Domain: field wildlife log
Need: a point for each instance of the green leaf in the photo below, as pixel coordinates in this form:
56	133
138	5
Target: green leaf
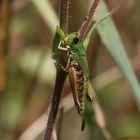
60	33
87	36
115	47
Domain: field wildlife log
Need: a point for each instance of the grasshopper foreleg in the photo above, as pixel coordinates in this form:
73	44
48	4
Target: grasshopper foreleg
68	54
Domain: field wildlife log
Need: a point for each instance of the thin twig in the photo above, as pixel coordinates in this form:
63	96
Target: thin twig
64	15
88	18
60	77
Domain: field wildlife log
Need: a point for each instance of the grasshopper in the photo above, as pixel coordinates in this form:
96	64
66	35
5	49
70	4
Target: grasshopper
77	68
76	63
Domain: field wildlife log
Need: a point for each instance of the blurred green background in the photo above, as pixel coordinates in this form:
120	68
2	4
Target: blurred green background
27	72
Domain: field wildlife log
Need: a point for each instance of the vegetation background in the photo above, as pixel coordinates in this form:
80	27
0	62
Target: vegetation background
27	72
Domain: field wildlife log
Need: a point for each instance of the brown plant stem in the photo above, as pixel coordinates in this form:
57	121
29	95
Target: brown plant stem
88	18
64	10
60	77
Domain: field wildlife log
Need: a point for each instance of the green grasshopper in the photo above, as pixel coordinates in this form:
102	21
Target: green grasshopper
77	68
76	64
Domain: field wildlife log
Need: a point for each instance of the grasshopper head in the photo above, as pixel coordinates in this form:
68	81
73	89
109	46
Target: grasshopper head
72	39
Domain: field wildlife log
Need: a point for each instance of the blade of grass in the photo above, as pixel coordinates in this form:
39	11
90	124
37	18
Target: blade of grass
115	47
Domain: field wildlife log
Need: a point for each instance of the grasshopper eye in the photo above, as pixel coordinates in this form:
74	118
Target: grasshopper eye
75	40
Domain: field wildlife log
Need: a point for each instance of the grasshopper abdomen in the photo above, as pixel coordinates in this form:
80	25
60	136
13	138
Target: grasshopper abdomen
79	84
